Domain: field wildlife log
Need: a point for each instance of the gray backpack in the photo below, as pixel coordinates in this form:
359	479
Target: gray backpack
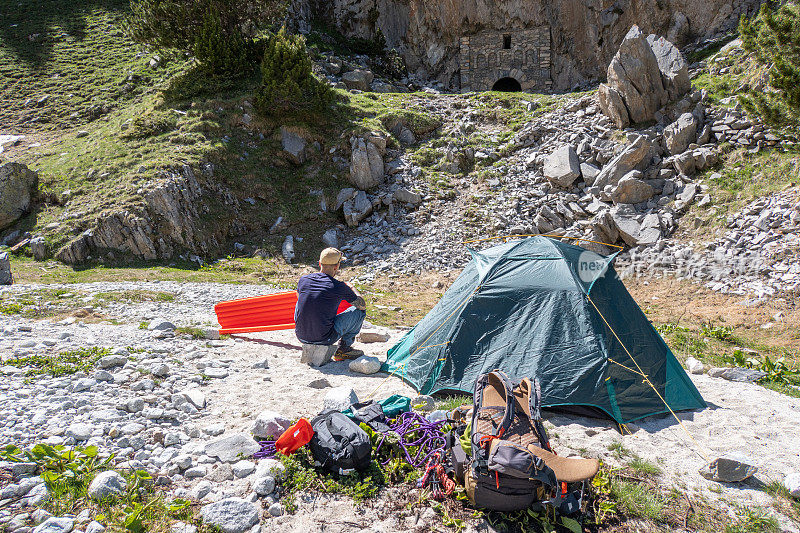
338	444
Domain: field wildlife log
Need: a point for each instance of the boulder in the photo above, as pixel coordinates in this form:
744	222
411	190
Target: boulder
232	515
681	133
408	197
79	431
358	79
589	173
339	398
562	167
645	74
366	164
633	155
331	238
357	209
270	424
18	185
264	486
5	269
287	249
228	449
744	375
673	67
730	468
75	251
160	324
634	74
38	248
365	364
195	397
106	484
630	230
631	189
294	145
344	195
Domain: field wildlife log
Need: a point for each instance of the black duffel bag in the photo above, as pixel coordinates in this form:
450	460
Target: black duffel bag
339	445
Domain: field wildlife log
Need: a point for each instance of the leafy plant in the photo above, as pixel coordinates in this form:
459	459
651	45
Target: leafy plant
10	309
721	333
777	371
58	463
65	363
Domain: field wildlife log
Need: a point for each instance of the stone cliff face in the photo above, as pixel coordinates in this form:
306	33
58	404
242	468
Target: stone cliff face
585	34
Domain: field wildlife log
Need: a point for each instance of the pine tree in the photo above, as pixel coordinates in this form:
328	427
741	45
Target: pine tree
287	83
773	37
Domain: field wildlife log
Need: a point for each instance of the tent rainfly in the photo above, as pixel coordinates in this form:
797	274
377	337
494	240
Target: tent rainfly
543	308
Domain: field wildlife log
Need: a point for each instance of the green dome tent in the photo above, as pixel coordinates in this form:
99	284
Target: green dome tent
542	308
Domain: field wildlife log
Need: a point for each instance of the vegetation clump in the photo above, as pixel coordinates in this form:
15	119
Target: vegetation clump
63	364
221	34
287	84
773	37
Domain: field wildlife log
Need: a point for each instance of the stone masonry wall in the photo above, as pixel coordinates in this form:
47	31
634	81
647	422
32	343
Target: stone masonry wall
484	59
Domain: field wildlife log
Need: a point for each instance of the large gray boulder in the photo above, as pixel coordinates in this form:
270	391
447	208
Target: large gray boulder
358	79
631	189
630	158
233	515
366	164
562	167
673	67
5	269
18	186
357	209
681	133
645	74
633	232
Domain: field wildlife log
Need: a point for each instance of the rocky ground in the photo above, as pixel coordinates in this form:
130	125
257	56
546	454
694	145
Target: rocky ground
185	409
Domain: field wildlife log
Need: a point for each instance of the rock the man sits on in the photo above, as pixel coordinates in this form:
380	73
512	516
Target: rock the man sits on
318	298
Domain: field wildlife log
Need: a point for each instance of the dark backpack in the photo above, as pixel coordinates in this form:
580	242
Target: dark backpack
339	445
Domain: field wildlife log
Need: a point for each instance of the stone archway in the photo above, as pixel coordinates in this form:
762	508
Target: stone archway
507	84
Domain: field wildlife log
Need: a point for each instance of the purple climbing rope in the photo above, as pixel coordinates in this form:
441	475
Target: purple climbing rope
267	449
417	431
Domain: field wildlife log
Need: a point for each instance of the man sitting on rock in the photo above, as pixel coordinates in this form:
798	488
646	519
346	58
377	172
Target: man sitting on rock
318	298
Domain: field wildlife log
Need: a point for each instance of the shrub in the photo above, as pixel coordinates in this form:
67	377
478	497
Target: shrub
287	84
220	34
773	37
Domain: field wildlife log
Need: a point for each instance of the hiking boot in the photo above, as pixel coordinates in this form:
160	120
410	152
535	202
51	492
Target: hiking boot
347	352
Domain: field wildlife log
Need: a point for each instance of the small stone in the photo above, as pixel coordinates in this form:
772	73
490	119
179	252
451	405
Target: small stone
232	515
276	509
55	525
243	468
371	335
228	449
195	471
406	196
214	429
94	527
160	324
40	515
220	473
423	403
264	486
694	366
182	527
339	398
270	424
213	372
270	467
730	468
744	375
365	364
211	334
106	484
195	397
319	383
79	432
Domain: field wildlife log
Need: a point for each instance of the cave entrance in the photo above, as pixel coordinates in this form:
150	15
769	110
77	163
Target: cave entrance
508	85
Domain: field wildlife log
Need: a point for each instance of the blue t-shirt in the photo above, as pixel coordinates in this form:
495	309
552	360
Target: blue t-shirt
318	299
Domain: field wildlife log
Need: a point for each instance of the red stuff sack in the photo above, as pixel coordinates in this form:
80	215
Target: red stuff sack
294	438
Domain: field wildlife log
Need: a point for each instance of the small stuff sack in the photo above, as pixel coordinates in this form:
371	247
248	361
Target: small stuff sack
298	435
338	444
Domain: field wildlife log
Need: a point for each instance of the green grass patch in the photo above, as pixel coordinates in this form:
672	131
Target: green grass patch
753	520
63	364
195	333
641	466
450	402
10	308
135	296
638	500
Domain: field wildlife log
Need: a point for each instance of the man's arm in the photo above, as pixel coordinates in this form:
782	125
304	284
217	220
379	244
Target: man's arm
359	302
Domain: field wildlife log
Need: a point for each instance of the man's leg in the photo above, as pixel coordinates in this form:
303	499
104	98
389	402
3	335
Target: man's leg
348	324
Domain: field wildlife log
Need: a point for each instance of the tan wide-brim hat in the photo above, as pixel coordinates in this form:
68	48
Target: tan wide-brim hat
330	256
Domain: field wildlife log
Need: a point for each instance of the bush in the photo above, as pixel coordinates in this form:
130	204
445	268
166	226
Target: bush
773	37
220	34
287	84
